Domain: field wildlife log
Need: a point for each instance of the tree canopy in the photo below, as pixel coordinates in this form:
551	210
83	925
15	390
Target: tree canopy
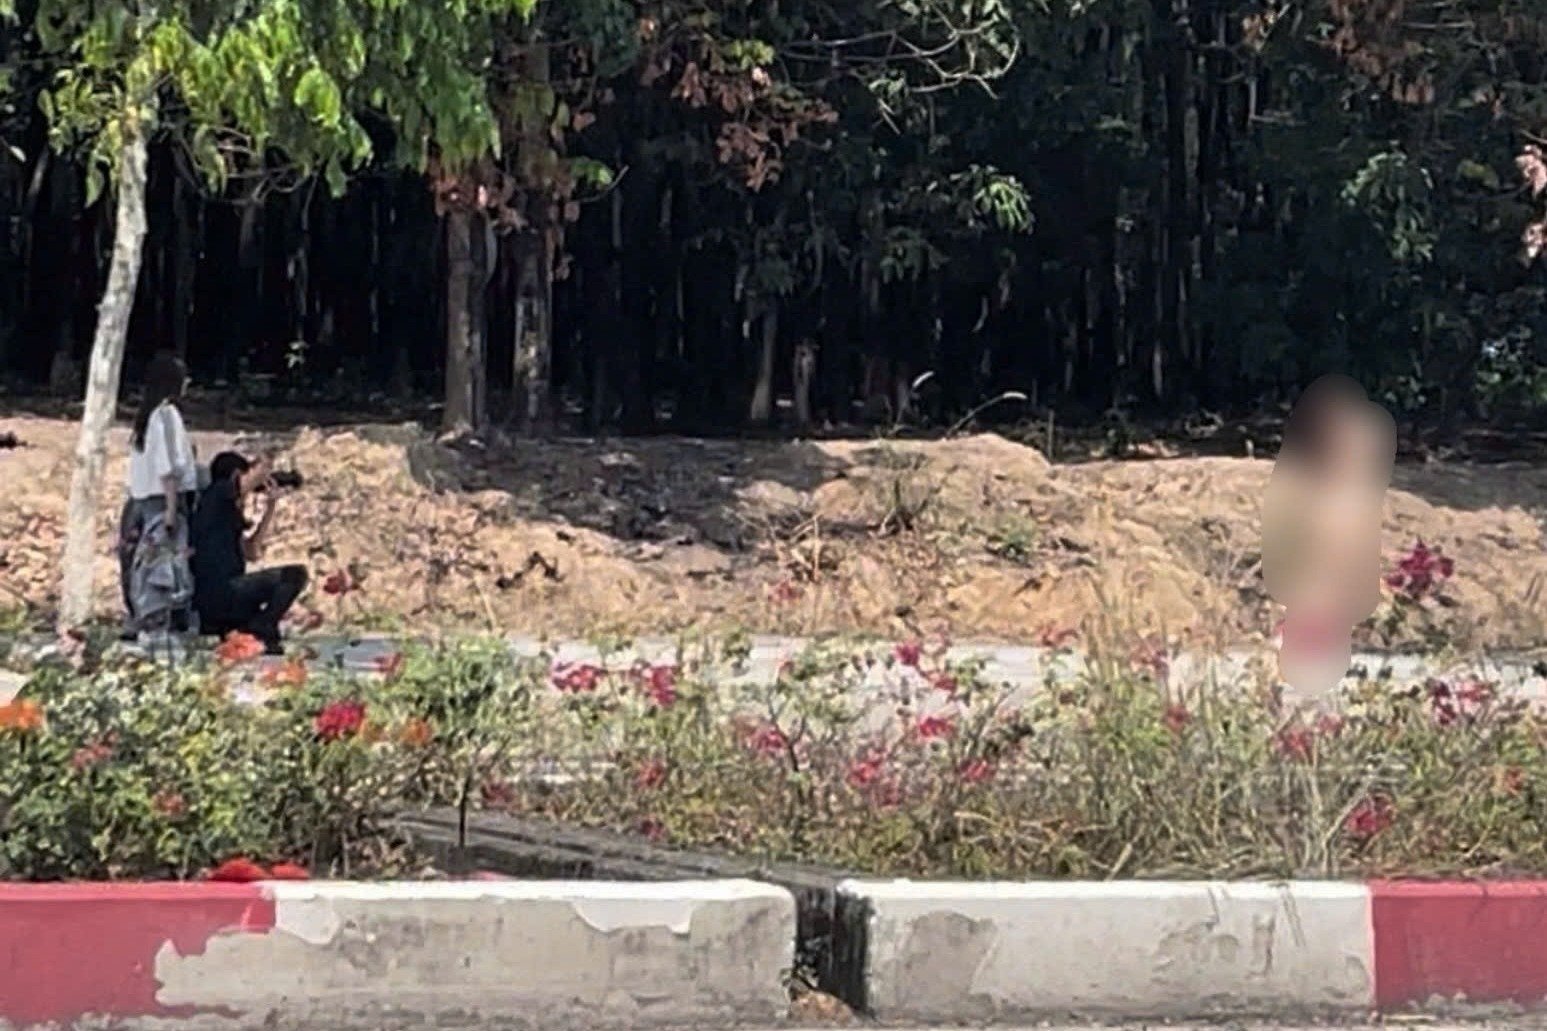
698	207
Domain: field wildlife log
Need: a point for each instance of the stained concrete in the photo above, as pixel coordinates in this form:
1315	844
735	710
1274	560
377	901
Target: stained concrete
938	951
497	954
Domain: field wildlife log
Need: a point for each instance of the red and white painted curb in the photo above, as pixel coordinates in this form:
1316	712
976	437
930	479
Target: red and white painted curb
367	956
998	951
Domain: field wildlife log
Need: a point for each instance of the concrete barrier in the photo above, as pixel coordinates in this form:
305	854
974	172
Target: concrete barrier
343	956
1132	949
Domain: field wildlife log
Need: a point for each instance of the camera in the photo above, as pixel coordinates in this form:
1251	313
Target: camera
286	479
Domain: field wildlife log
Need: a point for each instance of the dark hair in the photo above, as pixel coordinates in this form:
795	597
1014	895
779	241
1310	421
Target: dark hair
227	465
164	379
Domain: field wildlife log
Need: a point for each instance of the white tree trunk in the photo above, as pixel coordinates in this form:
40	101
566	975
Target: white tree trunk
107	357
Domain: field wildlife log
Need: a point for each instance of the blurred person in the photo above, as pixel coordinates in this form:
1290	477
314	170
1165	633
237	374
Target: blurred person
1321	529
163	482
226	596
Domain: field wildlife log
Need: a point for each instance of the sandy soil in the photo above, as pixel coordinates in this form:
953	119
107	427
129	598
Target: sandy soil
978	537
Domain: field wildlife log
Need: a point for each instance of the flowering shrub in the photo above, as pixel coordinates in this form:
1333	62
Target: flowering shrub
894	761
900	763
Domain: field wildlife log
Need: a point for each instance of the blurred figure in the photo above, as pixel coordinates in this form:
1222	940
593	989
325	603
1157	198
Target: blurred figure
163	481
1321	529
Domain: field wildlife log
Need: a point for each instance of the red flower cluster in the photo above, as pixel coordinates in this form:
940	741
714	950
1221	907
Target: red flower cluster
909	653
1420	572
241	870
1450	704
1298	743
339	719
659	682
768	740
930	728
577	678
238	647
1370	817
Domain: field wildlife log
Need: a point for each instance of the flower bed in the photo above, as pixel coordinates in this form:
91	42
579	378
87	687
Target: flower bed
122	769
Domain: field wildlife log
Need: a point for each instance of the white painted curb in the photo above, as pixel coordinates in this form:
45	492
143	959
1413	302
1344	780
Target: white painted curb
361	957
967	952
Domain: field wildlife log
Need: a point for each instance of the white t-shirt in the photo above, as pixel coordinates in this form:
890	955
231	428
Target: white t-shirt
168	451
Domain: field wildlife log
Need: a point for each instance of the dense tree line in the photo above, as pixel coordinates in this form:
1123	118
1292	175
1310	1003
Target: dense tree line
689	209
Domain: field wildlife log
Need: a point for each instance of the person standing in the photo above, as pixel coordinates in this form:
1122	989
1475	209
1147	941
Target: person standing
226	596
163	472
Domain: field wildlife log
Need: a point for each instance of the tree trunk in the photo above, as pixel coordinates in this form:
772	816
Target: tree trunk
533	352
462	413
761	410
107	355
186	237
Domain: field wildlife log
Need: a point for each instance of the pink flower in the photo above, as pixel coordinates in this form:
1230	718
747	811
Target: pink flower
768	740
650	775
930	728
573	678
1295	743
865	772
660	683
976	771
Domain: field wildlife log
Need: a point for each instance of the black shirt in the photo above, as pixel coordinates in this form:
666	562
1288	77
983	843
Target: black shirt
216	538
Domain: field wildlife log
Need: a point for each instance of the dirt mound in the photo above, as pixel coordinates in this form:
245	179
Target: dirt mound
979	537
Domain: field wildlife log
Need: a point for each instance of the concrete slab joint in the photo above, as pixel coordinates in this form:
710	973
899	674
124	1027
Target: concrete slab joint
355	955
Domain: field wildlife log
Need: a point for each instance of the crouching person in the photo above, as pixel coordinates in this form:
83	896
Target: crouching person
226	596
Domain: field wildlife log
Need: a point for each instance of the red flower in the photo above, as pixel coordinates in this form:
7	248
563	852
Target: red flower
976	771
909	653
305	620
288	872
1370	817
339	719
784	592
660	683
169	804
238	647
931	727
239	870
1475	692
650	775
1328	725
338	583
866	771
1420	572
943	682
651	828
769	740
1295	743
574	678
1176	718
94	754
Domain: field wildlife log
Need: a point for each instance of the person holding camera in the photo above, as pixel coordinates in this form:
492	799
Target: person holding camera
226	596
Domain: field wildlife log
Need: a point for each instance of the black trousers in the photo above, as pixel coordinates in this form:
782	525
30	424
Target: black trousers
253	604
